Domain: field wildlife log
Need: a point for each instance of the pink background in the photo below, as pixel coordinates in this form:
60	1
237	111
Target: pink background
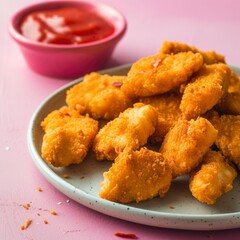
207	24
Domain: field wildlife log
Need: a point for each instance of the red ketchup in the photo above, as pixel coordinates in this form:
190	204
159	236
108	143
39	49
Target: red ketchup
66	26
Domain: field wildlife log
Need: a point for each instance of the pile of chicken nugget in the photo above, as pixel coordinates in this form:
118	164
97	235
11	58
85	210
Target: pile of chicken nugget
182	101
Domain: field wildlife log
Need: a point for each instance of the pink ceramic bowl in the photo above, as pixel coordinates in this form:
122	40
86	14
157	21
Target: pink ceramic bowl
68	61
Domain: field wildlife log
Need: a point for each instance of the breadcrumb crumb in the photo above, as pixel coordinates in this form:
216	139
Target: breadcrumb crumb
26	206
27	224
40	189
45	221
53	212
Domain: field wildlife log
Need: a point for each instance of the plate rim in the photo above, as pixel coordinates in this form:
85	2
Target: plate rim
148	217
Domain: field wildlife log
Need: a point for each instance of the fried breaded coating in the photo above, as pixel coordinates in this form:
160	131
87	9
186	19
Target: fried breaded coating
212	179
136	176
205	90
167	106
99	95
160	73
131	129
228	138
59	118
209	57
234	83
230	104
186	143
68	137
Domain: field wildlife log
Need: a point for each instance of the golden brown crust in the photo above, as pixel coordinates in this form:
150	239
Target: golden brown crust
230	104
167	106
136	176
186	143
212	179
177	93
67	137
59	118
228	138
131	129
99	95
205	90
160	73
209	57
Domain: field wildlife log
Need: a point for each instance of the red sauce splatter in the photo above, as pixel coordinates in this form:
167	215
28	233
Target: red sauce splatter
126	235
66	26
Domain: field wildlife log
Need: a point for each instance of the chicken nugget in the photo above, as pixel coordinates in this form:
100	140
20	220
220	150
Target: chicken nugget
212	179
230	104
136	176
160	73
209	57
67	139
99	95
131	129
234	83
186	143
205	90
167	106
228	138
59	118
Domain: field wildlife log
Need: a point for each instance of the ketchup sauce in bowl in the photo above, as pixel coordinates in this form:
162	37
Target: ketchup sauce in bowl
67	39
71	25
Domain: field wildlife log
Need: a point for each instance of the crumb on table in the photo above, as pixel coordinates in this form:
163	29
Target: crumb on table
65	175
27	224
53	212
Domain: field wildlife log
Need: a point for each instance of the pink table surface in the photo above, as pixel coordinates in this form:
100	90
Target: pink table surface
206	24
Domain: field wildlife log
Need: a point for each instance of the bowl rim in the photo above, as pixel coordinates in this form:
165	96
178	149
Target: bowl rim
18	37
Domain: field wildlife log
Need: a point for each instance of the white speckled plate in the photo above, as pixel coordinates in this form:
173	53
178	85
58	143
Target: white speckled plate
177	210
